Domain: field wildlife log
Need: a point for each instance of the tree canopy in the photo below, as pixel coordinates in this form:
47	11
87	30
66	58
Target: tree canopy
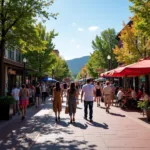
40	61
103	46
135	44
141	9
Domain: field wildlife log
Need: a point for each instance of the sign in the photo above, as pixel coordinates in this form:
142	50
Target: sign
100	70
12	72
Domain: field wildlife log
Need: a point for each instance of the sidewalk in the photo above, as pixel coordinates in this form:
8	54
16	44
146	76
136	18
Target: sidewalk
115	131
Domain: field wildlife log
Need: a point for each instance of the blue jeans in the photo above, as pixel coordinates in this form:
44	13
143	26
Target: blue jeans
90	104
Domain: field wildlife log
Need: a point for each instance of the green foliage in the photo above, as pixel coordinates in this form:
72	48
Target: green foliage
141	9
41	61
144	104
7	100
102	46
17	22
61	69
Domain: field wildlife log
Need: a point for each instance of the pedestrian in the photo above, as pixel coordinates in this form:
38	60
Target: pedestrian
37	95
72	95
65	89
23	100
98	93
15	94
88	91
57	101
43	89
107	91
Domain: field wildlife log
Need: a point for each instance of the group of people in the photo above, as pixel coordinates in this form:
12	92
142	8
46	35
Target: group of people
129	98
89	94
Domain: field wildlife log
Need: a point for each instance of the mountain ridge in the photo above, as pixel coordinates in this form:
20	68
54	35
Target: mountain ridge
76	64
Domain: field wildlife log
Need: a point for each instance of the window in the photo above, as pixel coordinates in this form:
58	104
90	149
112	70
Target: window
18	56
11	54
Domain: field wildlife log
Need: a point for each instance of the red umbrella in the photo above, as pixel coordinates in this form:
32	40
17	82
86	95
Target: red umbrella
139	68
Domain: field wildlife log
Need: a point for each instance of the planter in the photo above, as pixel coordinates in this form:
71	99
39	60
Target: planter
148	114
6	111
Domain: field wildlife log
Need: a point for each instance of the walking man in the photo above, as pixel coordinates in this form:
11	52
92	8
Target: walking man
107	91
88	91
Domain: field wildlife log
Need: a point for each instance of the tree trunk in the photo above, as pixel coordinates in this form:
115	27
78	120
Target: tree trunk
2	71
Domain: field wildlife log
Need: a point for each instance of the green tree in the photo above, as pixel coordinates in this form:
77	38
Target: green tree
17	18
141	9
61	69
103	46
41	61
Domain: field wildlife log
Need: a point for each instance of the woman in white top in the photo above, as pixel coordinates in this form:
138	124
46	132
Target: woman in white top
15	94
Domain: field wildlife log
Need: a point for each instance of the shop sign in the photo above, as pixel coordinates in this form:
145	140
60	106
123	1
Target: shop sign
100	70
12	72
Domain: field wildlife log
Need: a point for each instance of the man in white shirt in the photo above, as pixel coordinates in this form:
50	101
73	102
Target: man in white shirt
88	91
15	94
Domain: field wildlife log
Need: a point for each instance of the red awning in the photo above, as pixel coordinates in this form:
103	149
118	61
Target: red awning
139	68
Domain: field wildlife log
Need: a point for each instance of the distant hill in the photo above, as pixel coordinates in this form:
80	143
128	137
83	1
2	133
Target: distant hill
75	65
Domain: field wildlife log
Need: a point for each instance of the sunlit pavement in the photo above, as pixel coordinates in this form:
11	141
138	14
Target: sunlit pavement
115	131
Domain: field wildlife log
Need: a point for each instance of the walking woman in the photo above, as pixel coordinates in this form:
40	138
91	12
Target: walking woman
37	95
23	100
98	93
72	95
57	101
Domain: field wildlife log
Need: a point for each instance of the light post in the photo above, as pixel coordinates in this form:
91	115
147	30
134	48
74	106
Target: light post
109	59
52	74
24	61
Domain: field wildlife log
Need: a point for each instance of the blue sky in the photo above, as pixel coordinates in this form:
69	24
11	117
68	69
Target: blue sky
79	21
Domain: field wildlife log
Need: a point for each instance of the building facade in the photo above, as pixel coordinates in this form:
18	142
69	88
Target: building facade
13	69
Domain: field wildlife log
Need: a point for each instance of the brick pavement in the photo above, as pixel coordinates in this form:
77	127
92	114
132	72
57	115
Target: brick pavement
115	131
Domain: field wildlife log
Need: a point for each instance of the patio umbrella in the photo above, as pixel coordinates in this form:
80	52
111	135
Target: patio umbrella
139	68
49	79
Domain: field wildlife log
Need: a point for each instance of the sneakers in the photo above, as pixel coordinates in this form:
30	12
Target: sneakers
91	120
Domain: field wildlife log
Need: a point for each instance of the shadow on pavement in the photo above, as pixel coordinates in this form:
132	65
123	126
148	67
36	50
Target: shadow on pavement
64	144
99	125
80	125
117	115
145	120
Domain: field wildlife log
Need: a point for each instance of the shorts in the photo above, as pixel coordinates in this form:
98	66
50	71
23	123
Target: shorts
37	95
23	103
107	99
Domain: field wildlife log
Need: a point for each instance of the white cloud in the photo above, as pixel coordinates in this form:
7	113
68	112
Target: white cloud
78	46
74	24
80	29
73	41
93	28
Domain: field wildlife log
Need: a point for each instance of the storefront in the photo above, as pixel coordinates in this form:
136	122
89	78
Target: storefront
14	72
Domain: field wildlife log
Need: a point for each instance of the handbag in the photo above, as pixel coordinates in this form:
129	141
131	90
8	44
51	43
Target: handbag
66	110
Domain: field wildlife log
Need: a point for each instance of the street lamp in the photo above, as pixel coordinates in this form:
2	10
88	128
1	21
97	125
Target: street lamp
52	74
24	61
109	59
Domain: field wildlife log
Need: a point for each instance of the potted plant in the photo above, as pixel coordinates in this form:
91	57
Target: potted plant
6	107
145	106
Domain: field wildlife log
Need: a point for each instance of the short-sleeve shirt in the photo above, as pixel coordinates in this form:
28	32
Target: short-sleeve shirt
15	93
107	90
88	90
120	95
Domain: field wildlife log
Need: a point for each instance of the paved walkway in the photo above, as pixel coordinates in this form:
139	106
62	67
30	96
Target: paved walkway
115	131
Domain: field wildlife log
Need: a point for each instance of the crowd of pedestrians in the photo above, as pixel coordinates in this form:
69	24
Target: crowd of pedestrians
90	92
